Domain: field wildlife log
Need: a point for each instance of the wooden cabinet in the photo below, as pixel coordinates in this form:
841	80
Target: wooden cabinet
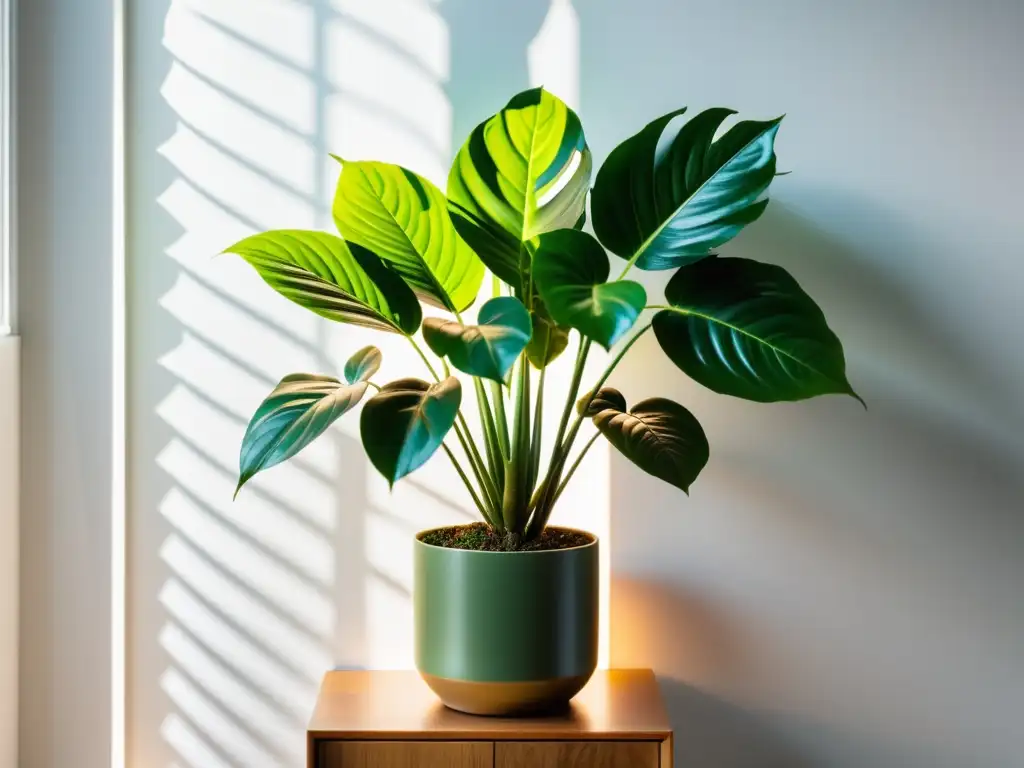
576	754
405	754
392	720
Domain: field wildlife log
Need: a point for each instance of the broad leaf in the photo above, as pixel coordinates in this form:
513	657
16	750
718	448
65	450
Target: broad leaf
593	403
669	194
362	365
322	273
747	329
403	218
299	409
549	339
522	172
406	422
659	436
571	270
488	349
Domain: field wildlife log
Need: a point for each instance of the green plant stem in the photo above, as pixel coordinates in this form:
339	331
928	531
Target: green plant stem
570	400
504	444
465	440
469	486
538	421
494	458
516	475
548	492
573	467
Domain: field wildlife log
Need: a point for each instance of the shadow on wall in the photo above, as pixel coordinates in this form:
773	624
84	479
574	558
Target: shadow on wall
236	609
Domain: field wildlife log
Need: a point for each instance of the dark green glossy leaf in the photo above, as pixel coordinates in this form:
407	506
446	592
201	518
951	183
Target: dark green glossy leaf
571	270
406	422
747	329
669	194
488	349
322	273
299	409
606	397
522	172
549	339
659	436
403	218
362	365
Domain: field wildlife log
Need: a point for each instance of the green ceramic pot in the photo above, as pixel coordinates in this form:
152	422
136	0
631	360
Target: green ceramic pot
506	633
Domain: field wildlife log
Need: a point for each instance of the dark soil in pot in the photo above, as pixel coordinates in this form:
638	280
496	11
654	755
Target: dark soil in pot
480	537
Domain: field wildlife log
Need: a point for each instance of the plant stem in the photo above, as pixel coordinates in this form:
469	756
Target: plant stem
538	421
517	473
570	400
548	492
465	440
502	424
469	486
573	467
494	458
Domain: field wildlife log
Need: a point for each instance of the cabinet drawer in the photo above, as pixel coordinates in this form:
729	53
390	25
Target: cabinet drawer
406	754
576	754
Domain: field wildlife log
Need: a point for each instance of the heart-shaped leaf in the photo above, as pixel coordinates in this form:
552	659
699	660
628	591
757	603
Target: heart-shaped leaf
659	436
571	270
299	409
404	423
322	273
522	172
747	329
669	194
362	365
606	397
403	218
549	339
488	349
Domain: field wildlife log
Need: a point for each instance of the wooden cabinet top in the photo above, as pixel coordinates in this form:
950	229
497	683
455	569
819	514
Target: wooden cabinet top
617	704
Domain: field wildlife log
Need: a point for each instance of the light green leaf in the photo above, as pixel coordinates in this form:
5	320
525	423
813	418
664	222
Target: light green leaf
747	329
322	273
403	218
669	194
488	349
299	409
406	422
522	172
571	270
659	436
362	365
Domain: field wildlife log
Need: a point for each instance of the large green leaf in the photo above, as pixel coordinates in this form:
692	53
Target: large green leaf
299	409
571	270
404	423
488	349
747	329
593	403
669	194
659	436
362	365
522	172
549	339
403	218
322	273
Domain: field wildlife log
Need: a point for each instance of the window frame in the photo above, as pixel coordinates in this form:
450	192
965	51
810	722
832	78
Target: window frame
8	312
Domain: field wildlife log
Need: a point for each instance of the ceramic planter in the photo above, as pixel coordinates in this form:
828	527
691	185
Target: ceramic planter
506	633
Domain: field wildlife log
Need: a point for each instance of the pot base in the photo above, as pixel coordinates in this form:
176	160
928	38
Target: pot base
506	699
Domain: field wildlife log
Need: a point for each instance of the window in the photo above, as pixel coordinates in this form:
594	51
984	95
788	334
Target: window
6	187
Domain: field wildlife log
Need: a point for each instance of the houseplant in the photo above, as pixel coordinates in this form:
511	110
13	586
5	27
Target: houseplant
506	610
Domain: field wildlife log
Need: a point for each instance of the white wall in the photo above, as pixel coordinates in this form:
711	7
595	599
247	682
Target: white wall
842	588
8	552
839	588
66	245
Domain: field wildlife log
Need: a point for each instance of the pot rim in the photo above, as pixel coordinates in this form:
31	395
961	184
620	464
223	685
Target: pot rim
418	538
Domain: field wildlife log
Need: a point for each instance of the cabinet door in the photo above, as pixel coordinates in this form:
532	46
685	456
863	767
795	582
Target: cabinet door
406	754
576	754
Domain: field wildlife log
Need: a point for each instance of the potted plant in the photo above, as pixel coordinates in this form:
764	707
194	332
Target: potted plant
506	609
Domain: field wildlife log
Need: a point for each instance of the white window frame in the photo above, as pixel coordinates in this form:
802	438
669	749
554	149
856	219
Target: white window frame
7	265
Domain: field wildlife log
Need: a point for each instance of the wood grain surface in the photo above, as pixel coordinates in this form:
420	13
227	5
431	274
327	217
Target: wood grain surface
406	754
576	754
